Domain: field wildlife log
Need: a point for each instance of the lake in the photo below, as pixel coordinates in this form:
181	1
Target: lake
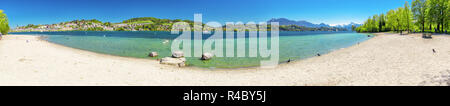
138	44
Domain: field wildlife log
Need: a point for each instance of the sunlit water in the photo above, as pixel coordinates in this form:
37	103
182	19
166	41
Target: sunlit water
292	45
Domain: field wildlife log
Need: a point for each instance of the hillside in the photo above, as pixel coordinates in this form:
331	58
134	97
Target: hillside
157	24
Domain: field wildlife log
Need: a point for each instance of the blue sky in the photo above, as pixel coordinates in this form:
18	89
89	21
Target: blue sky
23	12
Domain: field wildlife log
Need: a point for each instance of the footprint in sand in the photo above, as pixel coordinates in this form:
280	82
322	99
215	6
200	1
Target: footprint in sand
442	79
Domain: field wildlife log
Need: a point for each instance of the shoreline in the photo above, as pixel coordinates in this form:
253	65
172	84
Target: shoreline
112	56
194	67
323	70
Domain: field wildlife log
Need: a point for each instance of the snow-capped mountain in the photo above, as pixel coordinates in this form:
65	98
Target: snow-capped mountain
284	21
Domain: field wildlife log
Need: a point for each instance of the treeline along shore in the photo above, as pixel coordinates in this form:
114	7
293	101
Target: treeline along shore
429	16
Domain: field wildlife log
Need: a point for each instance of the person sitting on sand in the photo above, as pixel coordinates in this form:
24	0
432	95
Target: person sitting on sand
434	51
0	36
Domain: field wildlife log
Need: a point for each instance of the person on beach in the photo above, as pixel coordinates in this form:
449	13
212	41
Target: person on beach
0	36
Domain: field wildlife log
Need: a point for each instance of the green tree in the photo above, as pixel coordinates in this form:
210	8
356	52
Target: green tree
407	17
391	20
381	23
4	23
448	16
107	24
419	8
399	19
374	24
422	15
437	13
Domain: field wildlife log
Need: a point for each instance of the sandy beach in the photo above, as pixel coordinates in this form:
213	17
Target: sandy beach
387	59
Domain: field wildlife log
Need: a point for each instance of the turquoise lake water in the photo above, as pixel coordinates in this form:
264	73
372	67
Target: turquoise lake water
293	45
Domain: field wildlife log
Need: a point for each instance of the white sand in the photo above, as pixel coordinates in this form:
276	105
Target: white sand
387	59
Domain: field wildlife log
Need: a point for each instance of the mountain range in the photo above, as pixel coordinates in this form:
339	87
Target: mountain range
284	21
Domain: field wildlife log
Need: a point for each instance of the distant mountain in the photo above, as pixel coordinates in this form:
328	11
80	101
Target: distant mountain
349	26
284	21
